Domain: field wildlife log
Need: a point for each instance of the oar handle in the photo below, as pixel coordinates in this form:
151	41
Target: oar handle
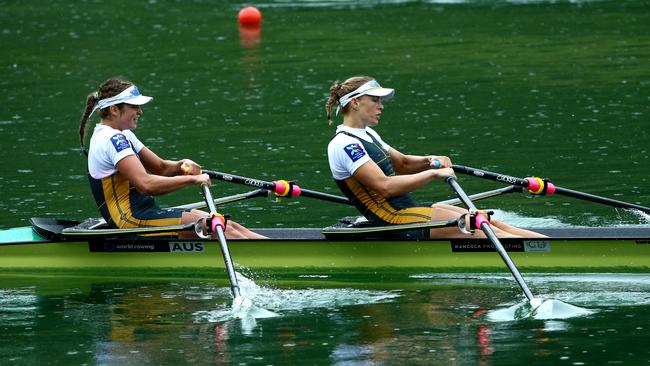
484	225
281	188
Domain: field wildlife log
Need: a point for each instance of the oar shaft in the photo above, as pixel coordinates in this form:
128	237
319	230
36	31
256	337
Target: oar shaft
506	259
272	186
225	200
559	190
598	199
227	259
490	175
485	227
484	195
324	196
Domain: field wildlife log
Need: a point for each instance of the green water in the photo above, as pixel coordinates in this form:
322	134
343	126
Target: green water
408	318
557	90
550	88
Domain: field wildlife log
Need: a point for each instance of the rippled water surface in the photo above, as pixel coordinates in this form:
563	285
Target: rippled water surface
407	318
558	89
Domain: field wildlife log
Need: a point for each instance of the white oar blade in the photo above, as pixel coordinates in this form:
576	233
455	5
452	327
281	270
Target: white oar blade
242	307
546	309
556	309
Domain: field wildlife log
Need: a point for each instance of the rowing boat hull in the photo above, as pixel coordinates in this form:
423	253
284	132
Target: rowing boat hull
27	250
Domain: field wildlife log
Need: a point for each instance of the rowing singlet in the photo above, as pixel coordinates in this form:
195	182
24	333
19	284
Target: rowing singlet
120	204
351	148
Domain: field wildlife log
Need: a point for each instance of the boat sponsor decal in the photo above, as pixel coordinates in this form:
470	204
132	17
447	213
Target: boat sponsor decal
510	245
537	246
506	179
254	183
139	246
354	151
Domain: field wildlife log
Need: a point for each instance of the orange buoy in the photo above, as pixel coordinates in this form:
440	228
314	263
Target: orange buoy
250	16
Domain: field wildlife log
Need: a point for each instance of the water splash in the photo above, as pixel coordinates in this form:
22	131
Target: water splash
537	308
242	307
642	216
262	302
588	290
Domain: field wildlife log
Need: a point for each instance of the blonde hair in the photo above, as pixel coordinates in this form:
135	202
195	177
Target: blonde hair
339	89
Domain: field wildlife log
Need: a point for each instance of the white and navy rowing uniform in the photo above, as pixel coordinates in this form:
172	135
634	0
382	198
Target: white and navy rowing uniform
121	204
350	149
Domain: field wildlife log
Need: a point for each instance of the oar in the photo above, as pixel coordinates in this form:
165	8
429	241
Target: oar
78	231
336	231
484	195
218	225
540	186
484	225
225	200
281	188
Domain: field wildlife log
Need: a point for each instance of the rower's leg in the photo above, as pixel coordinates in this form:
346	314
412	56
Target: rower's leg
242	232
190	217
442	212
233	229
515	230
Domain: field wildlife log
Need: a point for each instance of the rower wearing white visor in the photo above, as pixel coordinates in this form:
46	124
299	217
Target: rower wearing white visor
124	174
377	178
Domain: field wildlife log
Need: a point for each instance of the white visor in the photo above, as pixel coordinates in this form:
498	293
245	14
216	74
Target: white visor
130	95
371	87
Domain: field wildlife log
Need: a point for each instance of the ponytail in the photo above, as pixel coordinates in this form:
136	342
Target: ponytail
109	88
91	101
339	89
332	100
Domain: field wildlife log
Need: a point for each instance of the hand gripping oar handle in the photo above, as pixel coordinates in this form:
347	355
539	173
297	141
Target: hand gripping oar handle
484	225
281	188
543	186
218	225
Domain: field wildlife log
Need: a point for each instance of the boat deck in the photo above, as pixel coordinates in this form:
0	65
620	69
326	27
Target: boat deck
565	233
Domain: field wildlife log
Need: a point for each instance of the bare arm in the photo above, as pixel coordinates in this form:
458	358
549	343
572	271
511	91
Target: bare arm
154	184
411	164
155	165
371	176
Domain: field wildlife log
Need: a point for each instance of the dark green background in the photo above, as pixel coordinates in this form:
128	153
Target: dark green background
545	88
558	90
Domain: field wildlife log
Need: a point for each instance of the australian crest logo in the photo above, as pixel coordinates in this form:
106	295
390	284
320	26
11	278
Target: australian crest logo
120	142
355	151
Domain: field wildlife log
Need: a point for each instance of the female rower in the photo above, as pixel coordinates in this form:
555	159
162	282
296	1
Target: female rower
124	174
364	166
